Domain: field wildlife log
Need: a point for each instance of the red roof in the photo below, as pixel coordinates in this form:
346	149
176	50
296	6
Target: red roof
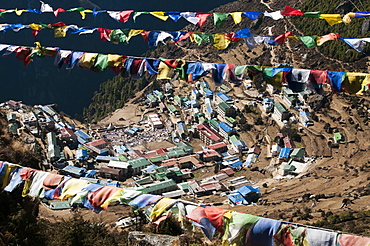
97	143
211	153
217	145
288	143
229	171
67	132
206	130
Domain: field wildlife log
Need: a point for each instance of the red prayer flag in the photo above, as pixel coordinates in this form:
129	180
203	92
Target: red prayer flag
291	11
105	33
282	38
59	10
58	24
185	36
125	15
202	18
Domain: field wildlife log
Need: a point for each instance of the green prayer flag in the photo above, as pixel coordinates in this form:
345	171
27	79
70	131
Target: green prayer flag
200	37
119	36
309	41
79	9
219	19
101	63
239	69
137	14
312	14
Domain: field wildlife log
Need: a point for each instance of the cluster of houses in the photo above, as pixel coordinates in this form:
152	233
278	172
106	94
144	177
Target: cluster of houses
202	113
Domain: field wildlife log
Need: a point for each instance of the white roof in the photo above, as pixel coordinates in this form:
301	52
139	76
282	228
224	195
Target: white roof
118	164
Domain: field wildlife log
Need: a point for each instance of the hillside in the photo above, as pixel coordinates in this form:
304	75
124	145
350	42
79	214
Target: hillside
337	174
332	192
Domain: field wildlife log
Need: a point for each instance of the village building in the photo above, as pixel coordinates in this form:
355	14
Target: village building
138	164
155	121
222	97
112	173
298	154
160	187
225	110
280	112
207	135
225	130
220	147
208	155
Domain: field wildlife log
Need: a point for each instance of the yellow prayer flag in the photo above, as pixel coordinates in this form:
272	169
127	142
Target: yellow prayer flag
34	26
115	60
237	17
20	11
332	19
159	15
164	71
83	13
355	83
114	199
87	60
192	38
133	33
59	32
220	42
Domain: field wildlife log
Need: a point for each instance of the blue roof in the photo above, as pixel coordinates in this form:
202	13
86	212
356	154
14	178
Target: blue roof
210	109
106	158
155	92
226	127
304	113
224	97
81	154
237	198
181	126
149	169
249	193
74	170
284	153
208	92
237	164
82	134
196	92
81	140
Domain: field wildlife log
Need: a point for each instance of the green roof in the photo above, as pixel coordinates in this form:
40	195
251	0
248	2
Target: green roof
123	158
214	123
152	98
297	153
202	120
177	99
225	89
174	153
144	180
160	185
289	168
172	108
224	106
280	107
234	138
158	158
161	176
339	137
184	186
230	119
185	146
160	169
139	162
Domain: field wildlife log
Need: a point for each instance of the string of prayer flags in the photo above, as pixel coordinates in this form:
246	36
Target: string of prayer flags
192	17
190	71
218	40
